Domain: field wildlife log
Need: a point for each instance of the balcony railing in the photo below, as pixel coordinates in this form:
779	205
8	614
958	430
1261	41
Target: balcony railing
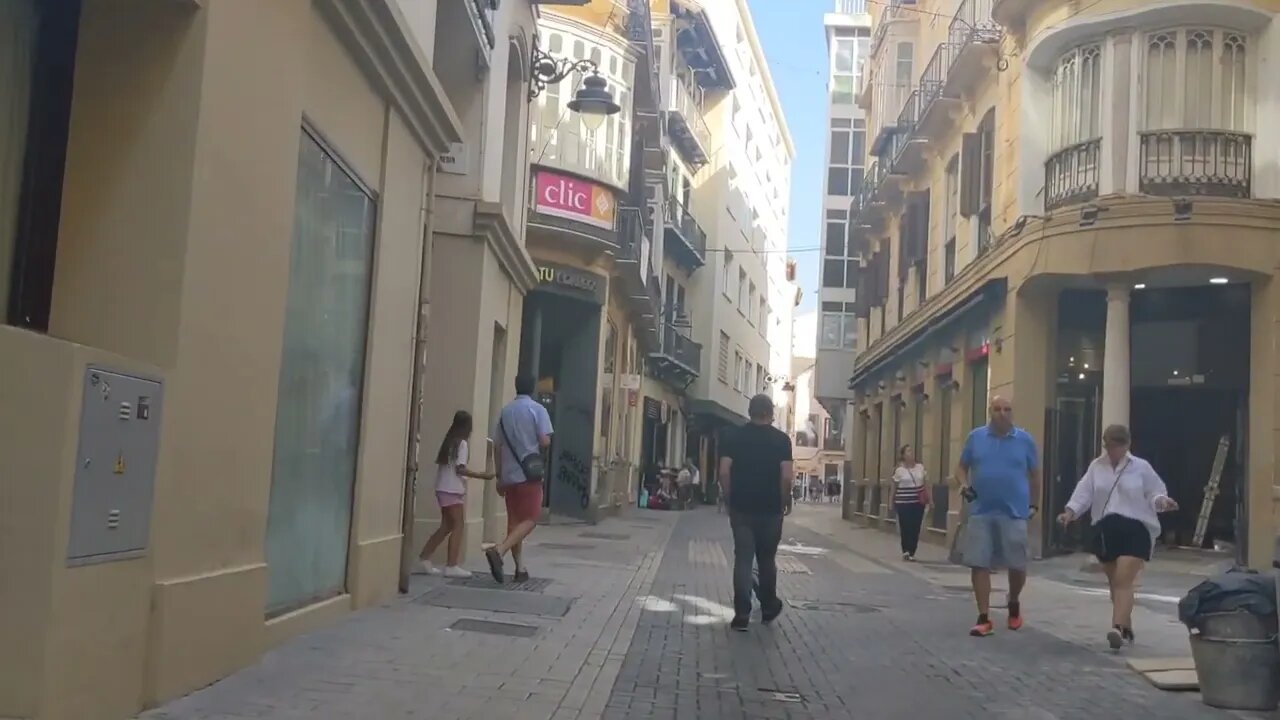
681	349
851	7
833	444
973	23
691	233
906	126
690	127
934	77
1071	174
1195	162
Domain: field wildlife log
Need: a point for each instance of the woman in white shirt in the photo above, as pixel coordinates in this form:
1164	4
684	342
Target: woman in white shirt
1123	495
910	497
451	494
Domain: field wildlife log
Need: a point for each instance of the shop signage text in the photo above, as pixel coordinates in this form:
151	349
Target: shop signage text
571	281
572	198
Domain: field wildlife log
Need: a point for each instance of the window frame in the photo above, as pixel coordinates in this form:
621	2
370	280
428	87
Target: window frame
1220	36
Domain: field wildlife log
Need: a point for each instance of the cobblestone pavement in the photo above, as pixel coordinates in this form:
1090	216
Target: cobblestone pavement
859	639
407	660
629	619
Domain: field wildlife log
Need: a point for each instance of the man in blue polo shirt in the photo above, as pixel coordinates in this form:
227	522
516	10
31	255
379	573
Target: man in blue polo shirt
1000	472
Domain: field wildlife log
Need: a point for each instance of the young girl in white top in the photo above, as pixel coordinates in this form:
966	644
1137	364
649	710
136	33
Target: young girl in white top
451	493
910	496
1122	494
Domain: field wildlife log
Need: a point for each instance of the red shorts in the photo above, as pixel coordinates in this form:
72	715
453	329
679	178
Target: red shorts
524	502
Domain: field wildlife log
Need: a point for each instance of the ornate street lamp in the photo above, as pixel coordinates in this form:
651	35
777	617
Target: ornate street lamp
593	101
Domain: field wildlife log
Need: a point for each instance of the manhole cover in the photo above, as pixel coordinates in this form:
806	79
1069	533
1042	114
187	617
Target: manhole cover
603	535
490	627
518	603
566	546
785	696
484	582
858	608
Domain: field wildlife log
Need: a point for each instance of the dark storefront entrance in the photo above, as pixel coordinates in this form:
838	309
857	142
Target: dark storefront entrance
1189	377
560	346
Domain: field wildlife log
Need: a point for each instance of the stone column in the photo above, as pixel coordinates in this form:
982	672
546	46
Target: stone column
1115	359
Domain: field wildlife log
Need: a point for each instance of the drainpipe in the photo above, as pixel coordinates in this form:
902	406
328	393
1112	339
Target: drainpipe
426	218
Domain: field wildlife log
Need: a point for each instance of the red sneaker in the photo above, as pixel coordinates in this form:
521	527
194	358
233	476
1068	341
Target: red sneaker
1015	616
982	629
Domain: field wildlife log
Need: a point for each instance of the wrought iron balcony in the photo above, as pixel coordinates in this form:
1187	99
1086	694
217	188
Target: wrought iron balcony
686	124
685	238
635	270
936	101
1215	163
976	37
1071	174
908	149
679	357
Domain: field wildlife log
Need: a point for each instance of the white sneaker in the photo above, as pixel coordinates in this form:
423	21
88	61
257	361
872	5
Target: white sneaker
429	568
454	571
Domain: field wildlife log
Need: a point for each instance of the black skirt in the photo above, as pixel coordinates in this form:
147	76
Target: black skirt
1119	536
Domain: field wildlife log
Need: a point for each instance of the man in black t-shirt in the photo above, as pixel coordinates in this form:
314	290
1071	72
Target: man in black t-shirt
755	476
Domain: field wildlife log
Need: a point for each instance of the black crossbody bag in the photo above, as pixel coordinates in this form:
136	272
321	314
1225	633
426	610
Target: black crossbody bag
534	467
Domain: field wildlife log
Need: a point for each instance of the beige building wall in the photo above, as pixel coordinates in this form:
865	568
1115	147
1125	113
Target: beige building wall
173	264
1037	253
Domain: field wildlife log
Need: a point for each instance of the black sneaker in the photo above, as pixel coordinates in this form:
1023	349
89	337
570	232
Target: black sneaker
1115	637
495	563
1127	634
740	624
522	576
768	615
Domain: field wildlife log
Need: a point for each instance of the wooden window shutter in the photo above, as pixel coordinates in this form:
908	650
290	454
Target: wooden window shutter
970	174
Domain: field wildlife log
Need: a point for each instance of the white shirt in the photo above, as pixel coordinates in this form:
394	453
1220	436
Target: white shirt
911	478
447	478
1139	488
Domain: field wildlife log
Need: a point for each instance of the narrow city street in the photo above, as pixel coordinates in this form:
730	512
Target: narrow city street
629	619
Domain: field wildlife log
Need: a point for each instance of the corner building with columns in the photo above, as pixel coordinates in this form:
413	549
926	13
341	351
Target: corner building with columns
1073	206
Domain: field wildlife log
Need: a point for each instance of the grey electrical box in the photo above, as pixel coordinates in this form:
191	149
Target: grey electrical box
115	467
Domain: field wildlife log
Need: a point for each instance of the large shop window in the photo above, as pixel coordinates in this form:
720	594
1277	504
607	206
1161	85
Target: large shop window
321	383
37	68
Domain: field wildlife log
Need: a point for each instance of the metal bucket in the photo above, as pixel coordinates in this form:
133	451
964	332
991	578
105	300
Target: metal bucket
1237	674
1236	625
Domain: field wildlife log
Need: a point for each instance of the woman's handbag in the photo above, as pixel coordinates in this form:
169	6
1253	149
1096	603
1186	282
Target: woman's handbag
923	495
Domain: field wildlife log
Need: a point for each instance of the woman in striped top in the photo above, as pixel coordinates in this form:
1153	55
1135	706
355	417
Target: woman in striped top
910	497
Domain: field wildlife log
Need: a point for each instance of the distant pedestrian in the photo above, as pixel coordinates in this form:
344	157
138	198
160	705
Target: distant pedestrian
523	434
1123	495
1000	473
910	497
755	477
451	494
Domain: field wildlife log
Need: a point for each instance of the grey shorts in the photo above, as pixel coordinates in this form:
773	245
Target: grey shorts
995	542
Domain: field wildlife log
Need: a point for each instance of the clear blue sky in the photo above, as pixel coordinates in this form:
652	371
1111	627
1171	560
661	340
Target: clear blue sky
795	46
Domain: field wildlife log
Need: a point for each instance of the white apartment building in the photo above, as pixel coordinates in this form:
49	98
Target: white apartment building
848	33
743	299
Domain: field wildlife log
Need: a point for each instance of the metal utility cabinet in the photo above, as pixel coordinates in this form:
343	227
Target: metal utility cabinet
115	467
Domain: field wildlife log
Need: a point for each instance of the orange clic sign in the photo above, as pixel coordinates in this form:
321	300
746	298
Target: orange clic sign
572	198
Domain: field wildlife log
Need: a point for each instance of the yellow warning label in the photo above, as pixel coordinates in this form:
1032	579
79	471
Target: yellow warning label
119	469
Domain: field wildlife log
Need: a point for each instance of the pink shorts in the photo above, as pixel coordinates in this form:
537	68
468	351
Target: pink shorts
449	499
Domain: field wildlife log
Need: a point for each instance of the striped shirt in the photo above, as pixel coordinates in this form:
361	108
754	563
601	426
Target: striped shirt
908	481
